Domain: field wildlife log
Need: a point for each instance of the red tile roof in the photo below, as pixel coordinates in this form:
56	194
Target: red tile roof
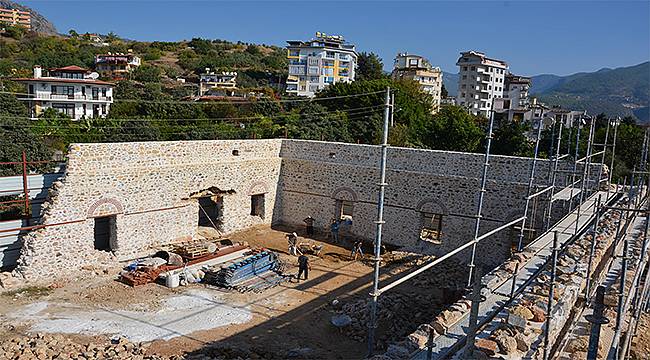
70	68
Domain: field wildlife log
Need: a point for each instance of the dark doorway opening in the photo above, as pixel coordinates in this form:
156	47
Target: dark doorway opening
210	211
257	205
104	232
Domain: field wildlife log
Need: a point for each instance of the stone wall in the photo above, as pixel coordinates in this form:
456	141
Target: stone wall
149	189
315	175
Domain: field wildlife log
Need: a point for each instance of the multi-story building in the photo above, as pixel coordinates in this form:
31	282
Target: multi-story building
482	80
72	90
16	17
417	68
116	66
216	83
313	65
515	102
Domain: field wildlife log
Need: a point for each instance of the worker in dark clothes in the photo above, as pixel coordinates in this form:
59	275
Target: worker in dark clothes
303	266
309	222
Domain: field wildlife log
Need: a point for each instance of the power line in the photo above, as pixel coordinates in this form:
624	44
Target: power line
216	102
348	111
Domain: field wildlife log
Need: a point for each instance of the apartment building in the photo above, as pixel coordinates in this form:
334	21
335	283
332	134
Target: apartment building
482	79
314	64
217	83
16	17
72	90
116	66
419	69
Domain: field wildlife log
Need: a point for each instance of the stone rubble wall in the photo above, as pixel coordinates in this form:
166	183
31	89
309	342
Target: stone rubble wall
146	187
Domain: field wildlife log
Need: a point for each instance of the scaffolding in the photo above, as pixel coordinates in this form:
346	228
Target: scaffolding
586	187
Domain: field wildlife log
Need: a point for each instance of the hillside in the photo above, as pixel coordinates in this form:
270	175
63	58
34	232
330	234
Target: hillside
621	91
163	62
39	23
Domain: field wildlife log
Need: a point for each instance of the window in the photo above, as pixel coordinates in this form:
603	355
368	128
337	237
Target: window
344	209
210	211
104	92
95	92
257	205
67	109
431	227
104	232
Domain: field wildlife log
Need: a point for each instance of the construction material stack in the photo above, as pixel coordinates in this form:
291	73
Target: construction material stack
256	273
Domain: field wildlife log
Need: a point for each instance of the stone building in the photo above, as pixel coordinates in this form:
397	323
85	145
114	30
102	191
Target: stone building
122	200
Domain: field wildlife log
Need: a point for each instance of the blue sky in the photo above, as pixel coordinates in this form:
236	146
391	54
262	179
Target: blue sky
534	37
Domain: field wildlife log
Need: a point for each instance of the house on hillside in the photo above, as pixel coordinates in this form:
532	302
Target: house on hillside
215	83
15	17
116	66
72	90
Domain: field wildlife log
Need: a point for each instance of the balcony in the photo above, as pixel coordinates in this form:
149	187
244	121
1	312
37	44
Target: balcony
296	69
62	97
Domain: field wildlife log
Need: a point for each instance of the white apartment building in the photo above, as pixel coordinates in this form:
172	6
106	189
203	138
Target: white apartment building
314	64
72	90
218	83
419	69
481	80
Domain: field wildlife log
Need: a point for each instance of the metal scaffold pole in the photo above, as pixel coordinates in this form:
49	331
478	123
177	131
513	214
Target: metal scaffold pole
611	166
549	305
592	249
553	178
585	176
602	159
372	325
479	210
530	187
575	164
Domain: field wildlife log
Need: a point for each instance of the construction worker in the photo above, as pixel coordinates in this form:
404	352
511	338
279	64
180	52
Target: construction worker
309	222
292	240
335	225
357	251
303	266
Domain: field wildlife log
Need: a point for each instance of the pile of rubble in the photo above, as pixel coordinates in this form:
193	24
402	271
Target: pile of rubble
46	346
57	346
401	310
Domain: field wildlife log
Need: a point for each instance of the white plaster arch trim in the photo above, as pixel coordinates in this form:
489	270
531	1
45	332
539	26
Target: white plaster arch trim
104	207
345	193
258	187
432	206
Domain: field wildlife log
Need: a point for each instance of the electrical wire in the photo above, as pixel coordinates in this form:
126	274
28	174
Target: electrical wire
33	96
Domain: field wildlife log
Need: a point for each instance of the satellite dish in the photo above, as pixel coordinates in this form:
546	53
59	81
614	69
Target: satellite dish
93	75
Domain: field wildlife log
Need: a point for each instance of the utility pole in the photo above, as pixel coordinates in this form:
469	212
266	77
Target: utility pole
530	187
372	325
481	195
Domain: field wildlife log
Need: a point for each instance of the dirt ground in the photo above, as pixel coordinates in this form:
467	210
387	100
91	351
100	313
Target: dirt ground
290	320
641	344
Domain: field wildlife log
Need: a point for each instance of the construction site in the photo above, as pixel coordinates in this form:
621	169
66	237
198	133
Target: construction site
283	248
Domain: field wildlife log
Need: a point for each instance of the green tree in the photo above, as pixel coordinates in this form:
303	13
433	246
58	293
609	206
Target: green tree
147	74
454	129
510	139
369	67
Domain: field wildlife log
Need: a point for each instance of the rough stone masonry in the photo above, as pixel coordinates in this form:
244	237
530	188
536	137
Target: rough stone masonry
148	195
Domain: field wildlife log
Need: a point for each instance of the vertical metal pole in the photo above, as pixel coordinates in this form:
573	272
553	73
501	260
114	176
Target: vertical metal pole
481	195
473	317
530	188
602	159
514	282
553	178
392	109
372	325
430	344
586	170
611	168
575	165
593	249
549	304
596	321
621	290
28	212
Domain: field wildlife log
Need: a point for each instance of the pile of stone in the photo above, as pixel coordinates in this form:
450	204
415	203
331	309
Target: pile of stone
55	346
